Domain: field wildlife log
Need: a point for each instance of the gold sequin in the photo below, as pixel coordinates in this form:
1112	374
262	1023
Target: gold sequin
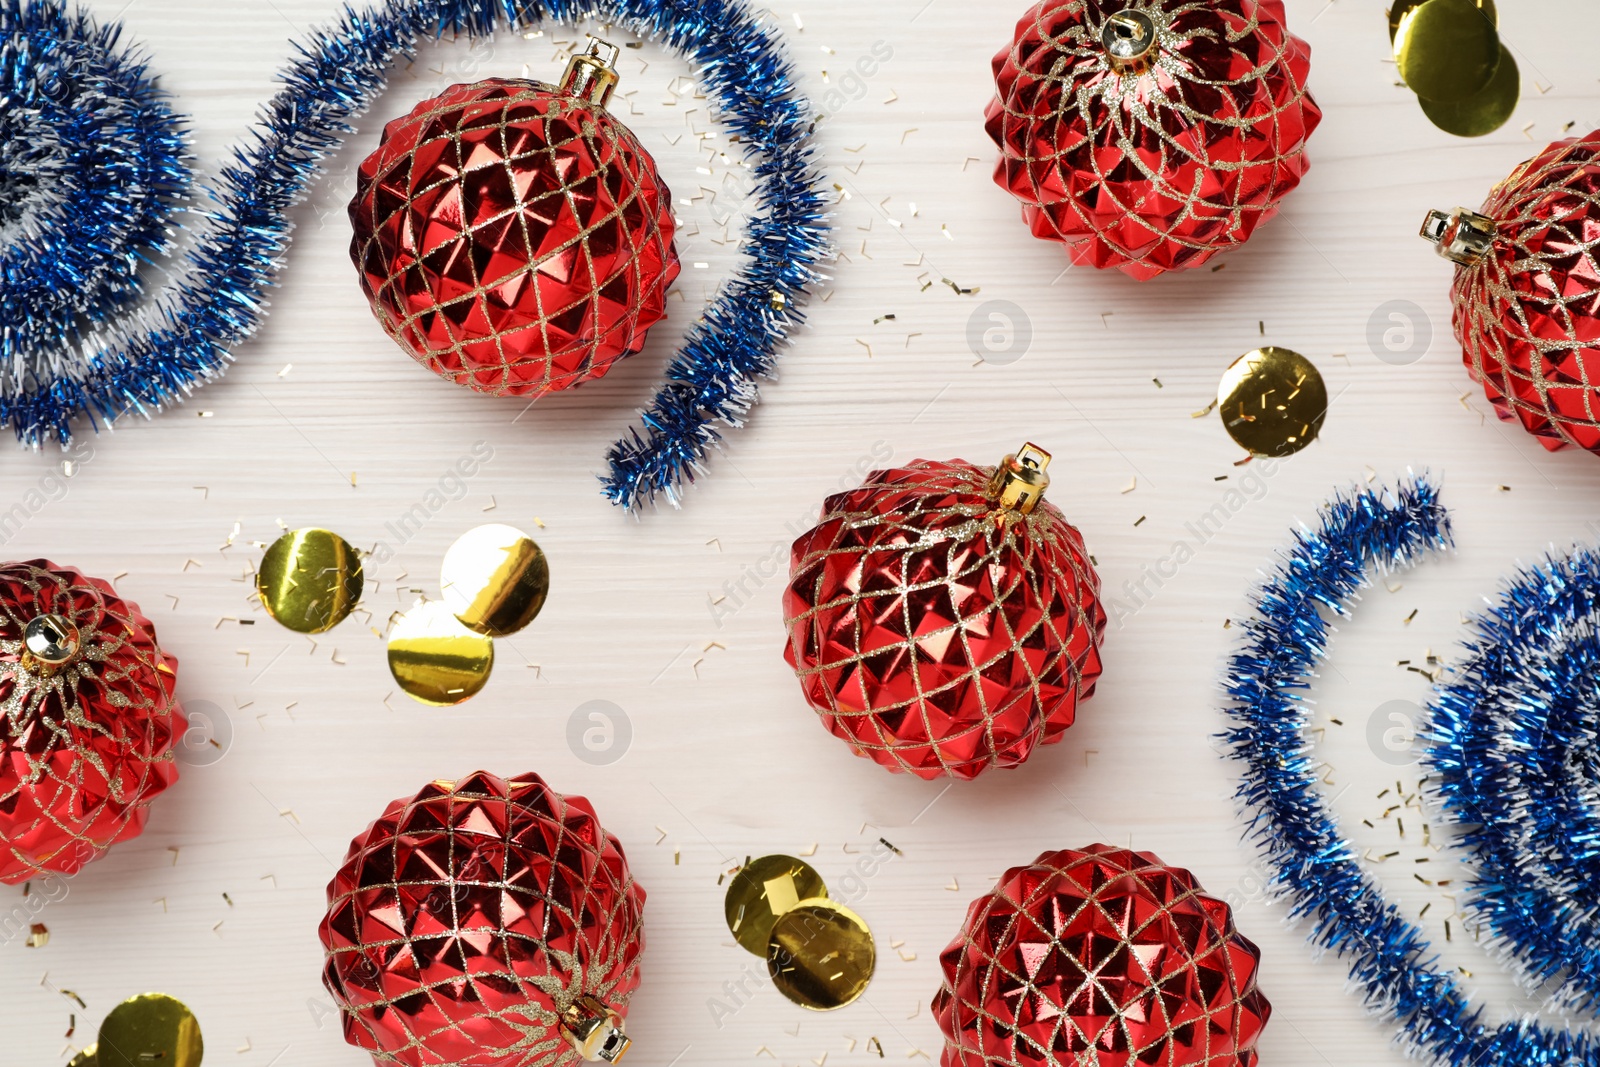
1272	401
1447	50
309	580
435	659
821	955
495	579
1401	8
1483	112
152	1028
763	890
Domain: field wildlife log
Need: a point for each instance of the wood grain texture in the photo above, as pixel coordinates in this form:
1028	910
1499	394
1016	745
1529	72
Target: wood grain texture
725	761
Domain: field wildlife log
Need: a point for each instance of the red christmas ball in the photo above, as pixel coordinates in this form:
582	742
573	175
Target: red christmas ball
1526	294
513	236
485	923
943	618
1149	135
88	720
1099	958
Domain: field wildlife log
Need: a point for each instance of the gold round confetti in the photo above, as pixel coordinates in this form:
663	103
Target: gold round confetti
764	889
150	1028
1401	8
86	1058
1272	401
821	954
1482	112
1446	49
495	578
435	659
309	580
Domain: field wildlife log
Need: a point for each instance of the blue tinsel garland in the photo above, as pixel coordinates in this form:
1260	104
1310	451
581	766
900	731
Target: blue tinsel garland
1513	745
239	244
91	165
1313	866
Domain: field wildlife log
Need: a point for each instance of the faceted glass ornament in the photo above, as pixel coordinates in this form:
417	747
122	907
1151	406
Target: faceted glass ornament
88	720
1527	306
1149	135
937	631
513	237
470	924
1099	958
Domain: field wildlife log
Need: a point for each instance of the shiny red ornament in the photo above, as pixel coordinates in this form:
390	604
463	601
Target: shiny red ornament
513	236
943	618
1099	958
485	923
88	720
1527	292
1149	135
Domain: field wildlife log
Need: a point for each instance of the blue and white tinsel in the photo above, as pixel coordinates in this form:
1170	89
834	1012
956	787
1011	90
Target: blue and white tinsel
1314	867
1514	748
81	356
92	166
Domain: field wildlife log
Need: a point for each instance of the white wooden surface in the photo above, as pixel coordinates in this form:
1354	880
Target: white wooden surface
725	759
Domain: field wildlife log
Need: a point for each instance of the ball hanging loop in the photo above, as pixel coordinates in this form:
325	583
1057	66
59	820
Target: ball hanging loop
49	643
1461	236
1020	480
1129	38
594	1030
591	75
